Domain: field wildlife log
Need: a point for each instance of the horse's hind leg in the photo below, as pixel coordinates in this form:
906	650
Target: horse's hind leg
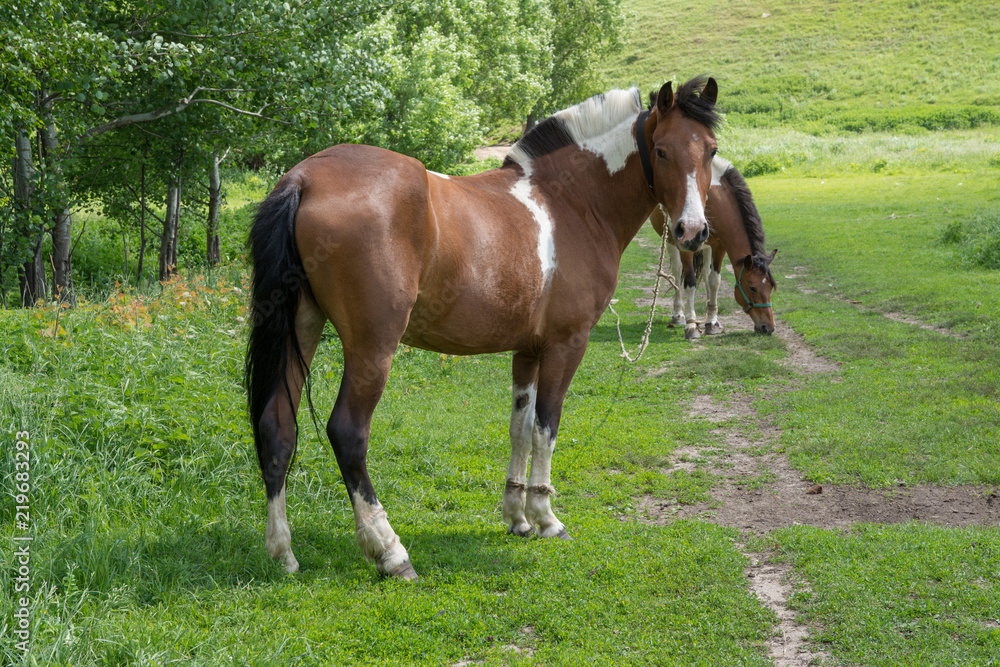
365	375
278	431
522	420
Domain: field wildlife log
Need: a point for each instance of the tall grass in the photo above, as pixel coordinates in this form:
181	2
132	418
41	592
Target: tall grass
892	65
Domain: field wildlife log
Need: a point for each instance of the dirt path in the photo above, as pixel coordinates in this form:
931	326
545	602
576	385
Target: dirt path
760	492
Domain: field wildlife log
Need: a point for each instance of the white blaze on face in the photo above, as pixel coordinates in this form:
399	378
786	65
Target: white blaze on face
694	208
522	192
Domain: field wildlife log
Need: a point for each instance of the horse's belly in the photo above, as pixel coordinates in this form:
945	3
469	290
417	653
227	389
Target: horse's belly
456	321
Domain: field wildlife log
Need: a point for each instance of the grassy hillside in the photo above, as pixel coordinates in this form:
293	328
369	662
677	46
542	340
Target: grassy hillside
825	65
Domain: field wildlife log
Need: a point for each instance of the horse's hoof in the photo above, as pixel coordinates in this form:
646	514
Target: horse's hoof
712	328
548	533
524	530
676	321
405	572
692	333
291	565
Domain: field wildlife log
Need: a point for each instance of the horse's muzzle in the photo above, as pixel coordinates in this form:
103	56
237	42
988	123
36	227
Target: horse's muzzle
693	241
764	328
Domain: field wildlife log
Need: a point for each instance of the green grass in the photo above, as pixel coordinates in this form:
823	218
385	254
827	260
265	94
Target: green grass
147	509
900	595
911	405
851	66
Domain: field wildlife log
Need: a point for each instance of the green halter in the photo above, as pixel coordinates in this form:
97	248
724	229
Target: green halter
750	304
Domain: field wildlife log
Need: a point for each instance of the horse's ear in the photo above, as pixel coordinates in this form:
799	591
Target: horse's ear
665	99
773	253
652	99
748	261
711	91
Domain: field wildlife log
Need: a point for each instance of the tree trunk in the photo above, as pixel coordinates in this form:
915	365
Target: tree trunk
62	238
142	220
530	123
31	274
214	207
171	227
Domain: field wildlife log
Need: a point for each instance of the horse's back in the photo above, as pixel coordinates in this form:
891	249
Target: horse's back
452	260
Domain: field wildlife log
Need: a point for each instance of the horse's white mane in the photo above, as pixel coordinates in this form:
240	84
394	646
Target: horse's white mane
598	115
601	124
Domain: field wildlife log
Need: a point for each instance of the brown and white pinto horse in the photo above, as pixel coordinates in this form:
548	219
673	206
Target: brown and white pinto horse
522	258
735	229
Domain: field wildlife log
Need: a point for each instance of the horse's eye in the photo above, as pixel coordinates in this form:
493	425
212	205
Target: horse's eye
660	154
714	151
753	289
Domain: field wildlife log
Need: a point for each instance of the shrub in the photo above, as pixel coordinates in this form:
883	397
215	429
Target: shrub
976	239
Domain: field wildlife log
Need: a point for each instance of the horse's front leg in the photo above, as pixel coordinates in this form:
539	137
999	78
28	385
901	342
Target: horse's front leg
522	419
556	369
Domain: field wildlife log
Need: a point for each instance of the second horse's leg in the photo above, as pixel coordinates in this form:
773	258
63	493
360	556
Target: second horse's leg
712	283
677	314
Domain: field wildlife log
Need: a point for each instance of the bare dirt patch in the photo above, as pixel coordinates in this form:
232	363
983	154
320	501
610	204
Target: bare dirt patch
760	491
770	582
498	151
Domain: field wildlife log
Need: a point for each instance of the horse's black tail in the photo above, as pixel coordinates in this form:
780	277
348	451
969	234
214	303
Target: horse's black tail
276	285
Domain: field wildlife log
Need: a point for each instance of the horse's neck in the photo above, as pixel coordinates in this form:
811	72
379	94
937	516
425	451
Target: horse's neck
730	227
619	203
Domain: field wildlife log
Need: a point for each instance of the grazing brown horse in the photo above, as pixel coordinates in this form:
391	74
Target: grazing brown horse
522	258
734	229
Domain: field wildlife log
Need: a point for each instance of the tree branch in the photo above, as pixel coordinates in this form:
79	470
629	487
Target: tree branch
240	111
170	110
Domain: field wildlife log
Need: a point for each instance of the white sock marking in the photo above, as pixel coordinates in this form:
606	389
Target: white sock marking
714	280
521	421
537	508
277	536
689	294
378	541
